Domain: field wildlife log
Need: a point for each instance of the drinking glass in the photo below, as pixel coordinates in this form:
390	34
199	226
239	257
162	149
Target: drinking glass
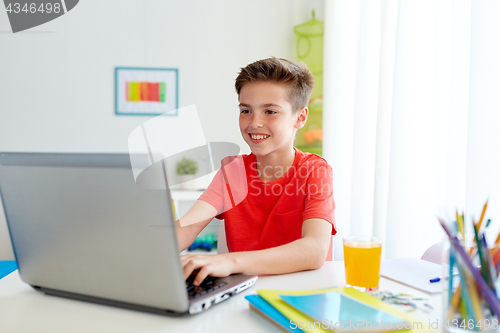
362	262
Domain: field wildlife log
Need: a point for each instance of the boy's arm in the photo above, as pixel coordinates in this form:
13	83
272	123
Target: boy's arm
193	222
306	253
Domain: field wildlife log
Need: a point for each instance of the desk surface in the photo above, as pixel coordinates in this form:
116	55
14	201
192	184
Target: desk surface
25	310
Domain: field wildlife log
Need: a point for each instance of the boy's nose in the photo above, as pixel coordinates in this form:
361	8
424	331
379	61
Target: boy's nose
256	122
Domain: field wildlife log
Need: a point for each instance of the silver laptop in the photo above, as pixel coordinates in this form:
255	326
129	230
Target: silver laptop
82	227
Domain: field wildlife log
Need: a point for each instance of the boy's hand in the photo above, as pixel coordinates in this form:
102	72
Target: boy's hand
219	265
306	253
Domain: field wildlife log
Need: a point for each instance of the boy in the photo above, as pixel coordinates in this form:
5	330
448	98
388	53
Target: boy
285	222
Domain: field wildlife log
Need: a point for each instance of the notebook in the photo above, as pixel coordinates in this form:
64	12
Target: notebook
263	308
7	267
297	318
340	313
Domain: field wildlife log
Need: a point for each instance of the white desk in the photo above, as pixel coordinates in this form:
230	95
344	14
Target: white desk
25	310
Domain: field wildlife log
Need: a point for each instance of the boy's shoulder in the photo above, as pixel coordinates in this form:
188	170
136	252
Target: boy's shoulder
310	159
242	158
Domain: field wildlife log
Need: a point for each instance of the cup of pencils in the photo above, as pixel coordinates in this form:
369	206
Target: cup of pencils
470	296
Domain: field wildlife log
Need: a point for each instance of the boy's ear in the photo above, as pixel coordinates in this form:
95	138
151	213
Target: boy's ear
302	117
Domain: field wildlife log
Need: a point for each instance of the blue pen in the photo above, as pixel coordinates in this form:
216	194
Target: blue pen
437	279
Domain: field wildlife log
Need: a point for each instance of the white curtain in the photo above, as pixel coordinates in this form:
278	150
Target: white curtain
396	80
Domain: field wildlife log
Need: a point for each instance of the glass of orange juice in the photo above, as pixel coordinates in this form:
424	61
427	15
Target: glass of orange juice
362	262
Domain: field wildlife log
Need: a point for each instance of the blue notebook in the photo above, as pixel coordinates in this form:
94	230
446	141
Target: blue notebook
265	309
343	313
7	267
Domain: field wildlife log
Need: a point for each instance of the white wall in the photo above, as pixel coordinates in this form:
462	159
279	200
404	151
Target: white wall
57	80
483	151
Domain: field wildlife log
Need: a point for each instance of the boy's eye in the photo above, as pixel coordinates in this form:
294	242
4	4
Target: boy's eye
244	111
270	112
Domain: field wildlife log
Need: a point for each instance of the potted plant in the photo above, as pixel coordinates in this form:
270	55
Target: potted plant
185	169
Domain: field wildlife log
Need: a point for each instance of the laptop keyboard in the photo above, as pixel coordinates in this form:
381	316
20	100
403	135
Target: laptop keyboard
208	285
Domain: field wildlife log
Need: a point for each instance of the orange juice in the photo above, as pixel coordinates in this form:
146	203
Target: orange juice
362	262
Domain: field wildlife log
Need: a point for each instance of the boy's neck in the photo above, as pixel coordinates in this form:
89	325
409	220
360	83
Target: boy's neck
274	165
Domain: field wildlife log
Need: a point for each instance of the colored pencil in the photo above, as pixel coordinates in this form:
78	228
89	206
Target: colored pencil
460	225
466	294
482	215
455	300
497	241
489	270
450	280
484	267
488	293
495	253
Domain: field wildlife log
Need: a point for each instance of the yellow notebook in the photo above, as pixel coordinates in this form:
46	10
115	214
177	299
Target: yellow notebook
306	324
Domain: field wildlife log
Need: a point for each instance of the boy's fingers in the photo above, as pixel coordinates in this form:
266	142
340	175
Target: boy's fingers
185	259
189	268
204	272
187	273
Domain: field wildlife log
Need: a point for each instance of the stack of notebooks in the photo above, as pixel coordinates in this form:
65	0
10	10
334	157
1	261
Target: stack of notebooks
332	310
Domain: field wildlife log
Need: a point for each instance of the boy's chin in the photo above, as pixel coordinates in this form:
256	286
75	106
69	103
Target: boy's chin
264	151
257	151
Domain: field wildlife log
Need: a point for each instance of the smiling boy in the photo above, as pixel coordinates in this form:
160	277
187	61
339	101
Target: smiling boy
285	222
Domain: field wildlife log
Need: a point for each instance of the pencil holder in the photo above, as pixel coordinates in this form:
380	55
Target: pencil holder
466	307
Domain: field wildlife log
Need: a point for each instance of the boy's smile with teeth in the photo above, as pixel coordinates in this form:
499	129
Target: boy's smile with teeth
258	136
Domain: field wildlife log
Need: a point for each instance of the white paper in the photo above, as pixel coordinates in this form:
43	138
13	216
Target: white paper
413	272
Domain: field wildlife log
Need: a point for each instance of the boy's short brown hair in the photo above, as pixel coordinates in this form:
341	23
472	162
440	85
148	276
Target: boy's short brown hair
294	74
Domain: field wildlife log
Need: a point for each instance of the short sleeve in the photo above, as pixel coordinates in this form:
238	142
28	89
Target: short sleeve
319	202
214	194
229	186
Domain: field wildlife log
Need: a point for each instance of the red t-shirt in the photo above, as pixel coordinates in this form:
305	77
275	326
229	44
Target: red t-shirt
262	215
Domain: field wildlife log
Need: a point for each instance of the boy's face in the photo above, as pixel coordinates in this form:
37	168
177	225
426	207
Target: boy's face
267	122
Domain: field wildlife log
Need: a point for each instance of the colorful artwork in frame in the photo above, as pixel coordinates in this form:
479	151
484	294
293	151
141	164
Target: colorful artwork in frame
146	91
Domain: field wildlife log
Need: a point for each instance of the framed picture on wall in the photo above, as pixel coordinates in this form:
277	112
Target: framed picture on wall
146	91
